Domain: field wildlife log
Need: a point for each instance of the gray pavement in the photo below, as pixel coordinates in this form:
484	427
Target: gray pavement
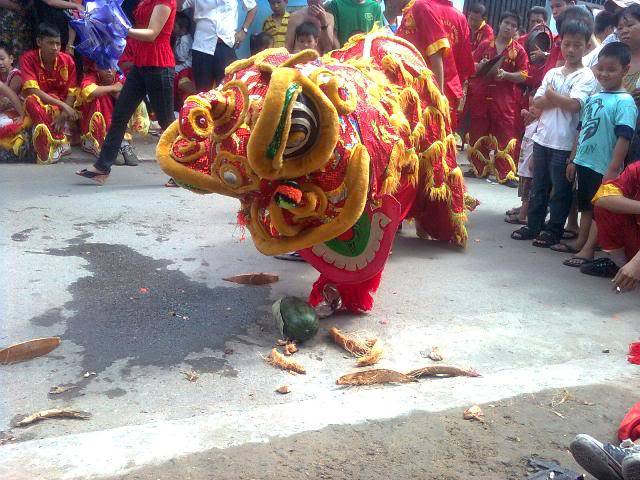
130	276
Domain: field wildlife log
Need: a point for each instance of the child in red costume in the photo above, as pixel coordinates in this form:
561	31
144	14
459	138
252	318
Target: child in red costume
50	89
99	89
494	103
12	122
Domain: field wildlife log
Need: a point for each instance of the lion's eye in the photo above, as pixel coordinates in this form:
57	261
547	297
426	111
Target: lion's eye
304	127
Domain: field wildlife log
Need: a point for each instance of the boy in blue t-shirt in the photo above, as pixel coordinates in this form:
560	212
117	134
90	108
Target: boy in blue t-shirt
606	128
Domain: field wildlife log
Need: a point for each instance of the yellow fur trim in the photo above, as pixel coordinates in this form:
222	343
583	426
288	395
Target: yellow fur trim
506	155
304	56
330	84
258	58
186	177
266	128
357	180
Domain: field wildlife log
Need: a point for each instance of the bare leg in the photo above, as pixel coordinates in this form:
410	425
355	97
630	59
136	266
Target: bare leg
589	248
586	219
572	219
618	256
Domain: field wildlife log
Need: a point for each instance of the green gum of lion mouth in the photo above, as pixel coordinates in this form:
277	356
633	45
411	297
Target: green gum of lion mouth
274	146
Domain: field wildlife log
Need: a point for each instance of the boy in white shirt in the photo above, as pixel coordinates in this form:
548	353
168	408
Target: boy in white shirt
561	96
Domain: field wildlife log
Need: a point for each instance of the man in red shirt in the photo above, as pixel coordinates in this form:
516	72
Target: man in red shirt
617	216
480	29
459	35
494	99
50	89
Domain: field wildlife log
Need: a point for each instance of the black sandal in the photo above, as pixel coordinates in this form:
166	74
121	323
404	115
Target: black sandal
569	234
523	233
576	261
544	240
602	267
97	177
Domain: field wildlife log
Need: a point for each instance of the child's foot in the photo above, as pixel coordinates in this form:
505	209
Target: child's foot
576	261
564	248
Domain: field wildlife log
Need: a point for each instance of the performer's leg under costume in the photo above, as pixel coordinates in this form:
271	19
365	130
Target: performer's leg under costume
504	127
46	138
480	140
617	231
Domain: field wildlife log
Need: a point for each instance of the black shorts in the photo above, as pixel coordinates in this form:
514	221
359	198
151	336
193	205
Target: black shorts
588	183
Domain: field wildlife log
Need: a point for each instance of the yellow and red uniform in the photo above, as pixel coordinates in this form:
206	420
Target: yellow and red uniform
494	106
484	32
618	230
95	112
423	24
12	127
59	82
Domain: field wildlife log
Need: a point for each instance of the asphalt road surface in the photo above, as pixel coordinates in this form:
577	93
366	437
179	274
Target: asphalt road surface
129	275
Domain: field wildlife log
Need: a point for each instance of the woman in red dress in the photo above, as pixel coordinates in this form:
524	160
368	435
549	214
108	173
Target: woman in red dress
152	74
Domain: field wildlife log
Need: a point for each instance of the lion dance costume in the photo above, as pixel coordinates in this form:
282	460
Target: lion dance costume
327	156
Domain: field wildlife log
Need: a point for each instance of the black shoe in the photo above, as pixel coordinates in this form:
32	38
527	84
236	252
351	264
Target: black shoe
604	462
470	174
631	466
511	183
130	157
601	267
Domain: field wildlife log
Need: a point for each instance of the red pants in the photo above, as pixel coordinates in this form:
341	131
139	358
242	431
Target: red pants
617	230
95	118
493	126
43	114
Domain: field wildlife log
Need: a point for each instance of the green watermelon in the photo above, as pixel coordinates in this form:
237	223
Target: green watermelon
295	319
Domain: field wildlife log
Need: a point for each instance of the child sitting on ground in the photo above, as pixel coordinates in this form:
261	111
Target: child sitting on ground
259	42
563	92
607	125
99	89
183	85
50	89
306	36
12	137
276	24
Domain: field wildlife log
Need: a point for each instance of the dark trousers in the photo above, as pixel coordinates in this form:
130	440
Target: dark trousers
550	189
208	70
157	83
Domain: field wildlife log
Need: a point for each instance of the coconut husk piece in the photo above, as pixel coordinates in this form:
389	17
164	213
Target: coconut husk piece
375	353
368	349
473	413
253	278
373	377
442	371
28	350
352	344
23	421
278	360
290	348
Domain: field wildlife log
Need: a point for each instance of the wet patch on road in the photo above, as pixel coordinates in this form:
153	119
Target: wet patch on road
23	235
131	307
